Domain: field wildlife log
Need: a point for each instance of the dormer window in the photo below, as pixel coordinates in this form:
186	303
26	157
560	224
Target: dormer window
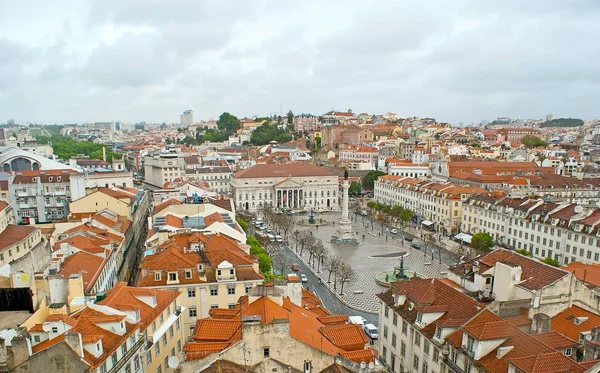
200	268
419	317
157	276
172	276
218	272
188	274
231	271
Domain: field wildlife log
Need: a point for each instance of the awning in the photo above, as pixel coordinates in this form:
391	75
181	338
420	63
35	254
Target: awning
464	237
427	223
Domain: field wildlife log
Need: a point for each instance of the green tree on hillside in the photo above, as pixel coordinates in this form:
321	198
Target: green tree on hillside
265	133
290	117
228	123
355	188
531	141
482	242
369	179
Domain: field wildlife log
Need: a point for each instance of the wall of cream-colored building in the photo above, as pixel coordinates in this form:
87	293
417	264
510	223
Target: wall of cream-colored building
20	248
99	201
172	341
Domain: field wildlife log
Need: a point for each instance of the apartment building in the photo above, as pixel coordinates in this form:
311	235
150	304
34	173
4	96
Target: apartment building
407	168
565	232
126	329
217	177
415	318
437	205
306	123
162	168
44	195
360	157
211	271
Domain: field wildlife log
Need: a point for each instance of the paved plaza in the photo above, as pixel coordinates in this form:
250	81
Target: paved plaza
367	261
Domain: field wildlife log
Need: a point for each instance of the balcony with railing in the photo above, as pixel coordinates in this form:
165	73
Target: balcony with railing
127	357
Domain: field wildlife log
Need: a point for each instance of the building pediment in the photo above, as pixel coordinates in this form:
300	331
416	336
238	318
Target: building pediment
289	183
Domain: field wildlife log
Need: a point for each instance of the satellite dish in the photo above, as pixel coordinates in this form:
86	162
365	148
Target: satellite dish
47	327
173	362
588	337
363	365
371	365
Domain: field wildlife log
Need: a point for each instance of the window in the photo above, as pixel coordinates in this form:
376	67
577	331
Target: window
193	312
172	276
231	291
153	326
425	367
404	327
157	276
395	319
191	292
385	331
415	362
36	338
426	346
164	340
188	274
128	368
157	349
266	352
149	357
393	339
386	311
159	369
171	332
136	364
568	351
103	368
402	349
179	345
113	358
417	339
162	319
214	291
436	354
54	329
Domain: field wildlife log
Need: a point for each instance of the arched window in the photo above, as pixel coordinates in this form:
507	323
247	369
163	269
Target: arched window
20	164
6	167
36	166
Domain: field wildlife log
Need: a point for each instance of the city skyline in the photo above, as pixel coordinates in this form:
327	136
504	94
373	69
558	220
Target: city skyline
136	61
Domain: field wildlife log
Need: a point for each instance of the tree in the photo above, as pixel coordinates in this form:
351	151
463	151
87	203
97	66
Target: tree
523	252
355	188
406	215
306	239
320	254
290	118
331	267
318	143
228	123
369	179
279	262
371	206
531	141
285	223
482	242
550	261
346	274
266	133
242	224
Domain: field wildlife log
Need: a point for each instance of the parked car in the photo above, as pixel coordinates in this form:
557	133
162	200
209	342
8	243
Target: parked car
278	238
271	237
303	277
357	320
364	213
408	238
416	245
295	267
394	231
263	227
371	331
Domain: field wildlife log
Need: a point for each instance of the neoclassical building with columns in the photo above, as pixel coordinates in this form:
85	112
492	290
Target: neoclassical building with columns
291	185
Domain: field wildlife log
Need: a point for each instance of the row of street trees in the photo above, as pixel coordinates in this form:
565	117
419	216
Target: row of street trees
281	223
338	272
395	211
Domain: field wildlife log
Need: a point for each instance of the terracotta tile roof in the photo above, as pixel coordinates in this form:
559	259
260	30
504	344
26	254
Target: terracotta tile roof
551	362
588	273
223	313
345	335
116	193
298	169
88	265
555	340
81	243
564	322
174	221
90	338
3	204
520	320
47	343
536	275
490	329
334	319
223	330
200	350
26	177
13	234
366	355
37	328
56	317
163	205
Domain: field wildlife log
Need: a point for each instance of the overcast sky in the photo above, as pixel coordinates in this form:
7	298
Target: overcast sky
146	60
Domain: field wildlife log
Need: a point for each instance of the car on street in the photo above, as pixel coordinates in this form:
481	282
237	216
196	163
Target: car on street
271	237
416	245
408	238
364	213
303	277
263	227
394	231
371	330
357	320
278	238
295	267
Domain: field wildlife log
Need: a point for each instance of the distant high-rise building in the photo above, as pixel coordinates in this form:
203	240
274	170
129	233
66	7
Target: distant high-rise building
187	118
